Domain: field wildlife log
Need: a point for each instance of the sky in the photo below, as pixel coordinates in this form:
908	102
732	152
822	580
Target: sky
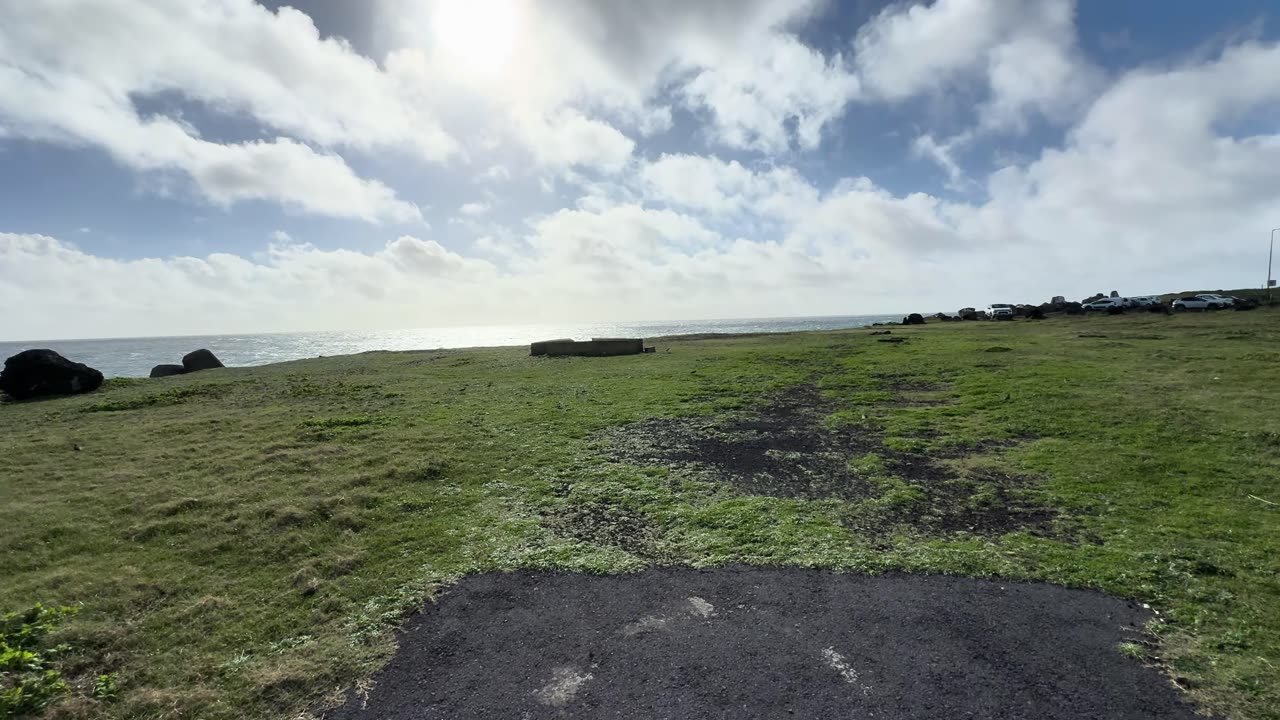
178	167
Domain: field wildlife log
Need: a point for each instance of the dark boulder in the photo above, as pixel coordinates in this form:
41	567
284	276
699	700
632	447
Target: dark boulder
160	371
1073	308
1113	310
943	317
38	373
200	360
913	319
1159	308
1035	313
968	314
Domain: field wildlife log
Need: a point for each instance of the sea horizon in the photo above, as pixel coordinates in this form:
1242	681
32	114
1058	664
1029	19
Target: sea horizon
135	356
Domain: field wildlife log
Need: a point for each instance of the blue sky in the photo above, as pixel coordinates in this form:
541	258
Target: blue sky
226	166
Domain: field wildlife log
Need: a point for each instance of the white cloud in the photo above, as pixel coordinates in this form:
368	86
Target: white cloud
1024	54
751	97
289	286
612	239
474	209
1169	165
943	153
567	137
71	70
738	61
709	184
291	173
234	55
654	121
450	81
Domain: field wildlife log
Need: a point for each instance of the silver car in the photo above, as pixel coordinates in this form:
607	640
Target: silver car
1104	304
1196	302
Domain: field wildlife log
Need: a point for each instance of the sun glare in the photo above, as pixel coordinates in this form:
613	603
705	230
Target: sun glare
478	35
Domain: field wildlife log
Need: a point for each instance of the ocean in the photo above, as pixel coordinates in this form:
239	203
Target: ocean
134	357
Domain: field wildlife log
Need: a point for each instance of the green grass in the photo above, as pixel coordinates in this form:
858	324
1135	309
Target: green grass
241	542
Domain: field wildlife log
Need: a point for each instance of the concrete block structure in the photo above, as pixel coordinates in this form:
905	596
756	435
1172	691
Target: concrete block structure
596	347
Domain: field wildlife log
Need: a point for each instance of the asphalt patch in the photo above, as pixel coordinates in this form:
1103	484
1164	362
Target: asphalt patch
766	643
786	448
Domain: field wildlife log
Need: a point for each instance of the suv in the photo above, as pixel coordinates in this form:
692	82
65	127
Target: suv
1000	311
1145	300
1196	302
1104	304
1221	300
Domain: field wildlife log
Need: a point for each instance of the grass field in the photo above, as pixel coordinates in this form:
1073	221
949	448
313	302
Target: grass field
241	543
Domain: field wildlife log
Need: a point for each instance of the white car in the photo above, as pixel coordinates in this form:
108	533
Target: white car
1144	300
1104	304
1000	311
1221	300
1196	302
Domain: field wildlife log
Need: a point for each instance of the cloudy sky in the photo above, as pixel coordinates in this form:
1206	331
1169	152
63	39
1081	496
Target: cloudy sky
200	166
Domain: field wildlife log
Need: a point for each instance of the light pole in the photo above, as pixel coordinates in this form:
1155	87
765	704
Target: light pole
1270	253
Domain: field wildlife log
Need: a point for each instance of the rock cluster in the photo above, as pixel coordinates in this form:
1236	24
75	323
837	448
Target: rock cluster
41	373
193	361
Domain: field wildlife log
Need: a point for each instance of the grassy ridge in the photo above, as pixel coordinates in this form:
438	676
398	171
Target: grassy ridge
240	542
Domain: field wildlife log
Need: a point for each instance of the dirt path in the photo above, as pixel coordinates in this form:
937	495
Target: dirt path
766	643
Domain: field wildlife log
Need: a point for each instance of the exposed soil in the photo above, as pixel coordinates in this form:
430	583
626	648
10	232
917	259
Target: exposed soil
786	448
601	523
743	643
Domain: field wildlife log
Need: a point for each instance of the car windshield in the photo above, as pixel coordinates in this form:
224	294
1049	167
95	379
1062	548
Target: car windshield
1000	306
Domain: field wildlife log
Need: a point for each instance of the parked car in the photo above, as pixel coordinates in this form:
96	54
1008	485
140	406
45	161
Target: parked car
1145	300
1000	311
1104	304
1196	302
1221	300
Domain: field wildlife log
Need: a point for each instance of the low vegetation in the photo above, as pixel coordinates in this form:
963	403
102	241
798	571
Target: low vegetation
241	543
29	680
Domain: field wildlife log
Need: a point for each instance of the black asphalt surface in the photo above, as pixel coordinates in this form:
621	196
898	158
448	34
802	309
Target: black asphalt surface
766	643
